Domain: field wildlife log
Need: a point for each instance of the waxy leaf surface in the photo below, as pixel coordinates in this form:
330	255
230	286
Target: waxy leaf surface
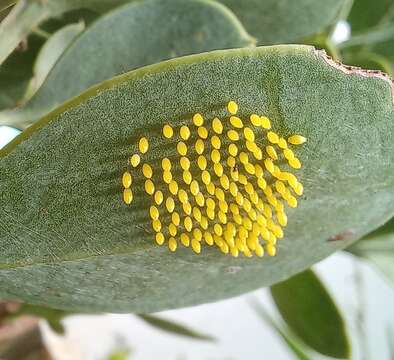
67	239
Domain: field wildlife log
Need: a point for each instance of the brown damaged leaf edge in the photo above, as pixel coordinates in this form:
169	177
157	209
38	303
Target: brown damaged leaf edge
355	70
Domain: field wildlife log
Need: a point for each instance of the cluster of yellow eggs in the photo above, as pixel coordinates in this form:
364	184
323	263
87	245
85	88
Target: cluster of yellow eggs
237	200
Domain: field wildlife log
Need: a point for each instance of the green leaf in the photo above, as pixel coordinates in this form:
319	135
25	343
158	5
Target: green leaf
372	41
49	55
311	314
174	328
27	15
293	345
68	241
285	21
196	26
378	248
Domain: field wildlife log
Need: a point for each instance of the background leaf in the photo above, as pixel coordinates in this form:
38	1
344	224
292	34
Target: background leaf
68	240
195	26
378	248
284	21
292	344
174	328
310	312
50	53
372	41
27	15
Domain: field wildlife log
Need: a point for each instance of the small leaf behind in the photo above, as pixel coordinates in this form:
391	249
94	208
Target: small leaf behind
296	348
174	328
378	248
285	21
120	37
50	53
310	312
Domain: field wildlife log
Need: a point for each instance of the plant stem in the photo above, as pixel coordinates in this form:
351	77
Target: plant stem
42	33
5	4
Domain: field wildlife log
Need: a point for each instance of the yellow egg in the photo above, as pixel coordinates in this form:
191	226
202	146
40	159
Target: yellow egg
158	197
135	160
199	146
202	132
200	200
249	134
127	179
233	135
217	126
166	164
215	156
185	240
206	177
272	137
271	152
232	107
181	148
202	162
185	163
147	171
255	120
194	188
183	197
236	122
265	122
149	187
172	244
167	176
295	163
196	246
156	225
208	238
218	169
154	212
173	187
184	132
187	177
296	139
233	150
198	120
127	196
168	132
175	218
215	141
170	204
188	223
143	145
159	238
